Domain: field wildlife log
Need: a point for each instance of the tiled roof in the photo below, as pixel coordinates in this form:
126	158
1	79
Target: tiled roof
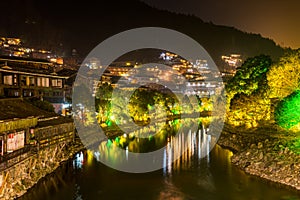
18	108
27	66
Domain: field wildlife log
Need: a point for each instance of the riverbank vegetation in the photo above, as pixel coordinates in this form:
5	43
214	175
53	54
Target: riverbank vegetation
263	92
262	118
116	107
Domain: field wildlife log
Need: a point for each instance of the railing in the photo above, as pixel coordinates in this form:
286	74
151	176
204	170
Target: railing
66	137
10	159
52	131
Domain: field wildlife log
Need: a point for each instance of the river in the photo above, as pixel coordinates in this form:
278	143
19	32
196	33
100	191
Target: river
192	177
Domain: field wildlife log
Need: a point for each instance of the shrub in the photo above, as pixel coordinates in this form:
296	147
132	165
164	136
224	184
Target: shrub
287	113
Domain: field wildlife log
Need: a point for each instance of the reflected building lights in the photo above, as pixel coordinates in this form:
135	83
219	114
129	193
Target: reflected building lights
97	155
126	152
90	157
78	161
187	145
198	142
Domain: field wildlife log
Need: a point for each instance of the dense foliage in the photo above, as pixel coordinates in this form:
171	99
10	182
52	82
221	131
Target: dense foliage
283	77
287	113
250	77
249	111
253	92
119	106
247	103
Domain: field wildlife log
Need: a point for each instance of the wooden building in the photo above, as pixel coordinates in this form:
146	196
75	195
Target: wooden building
21	77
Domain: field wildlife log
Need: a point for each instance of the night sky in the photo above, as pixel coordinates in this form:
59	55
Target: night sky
275	19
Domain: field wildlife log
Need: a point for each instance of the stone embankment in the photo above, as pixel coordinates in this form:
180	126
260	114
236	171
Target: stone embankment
22	176
258	154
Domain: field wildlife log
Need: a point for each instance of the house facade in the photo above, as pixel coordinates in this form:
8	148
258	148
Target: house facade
21	77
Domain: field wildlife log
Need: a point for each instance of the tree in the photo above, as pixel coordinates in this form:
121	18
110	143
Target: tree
287	112
249	111
247	99
250	77
102	101
283	77
104	92
206	104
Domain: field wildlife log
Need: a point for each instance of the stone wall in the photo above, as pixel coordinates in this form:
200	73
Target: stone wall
15	180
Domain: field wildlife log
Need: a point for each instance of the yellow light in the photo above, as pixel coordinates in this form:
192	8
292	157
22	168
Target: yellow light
53	60
90	157
112	118
128	64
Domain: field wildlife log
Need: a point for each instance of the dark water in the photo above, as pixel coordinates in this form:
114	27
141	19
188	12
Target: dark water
190	177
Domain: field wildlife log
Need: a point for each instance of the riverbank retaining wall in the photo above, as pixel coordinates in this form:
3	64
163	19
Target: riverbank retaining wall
25	170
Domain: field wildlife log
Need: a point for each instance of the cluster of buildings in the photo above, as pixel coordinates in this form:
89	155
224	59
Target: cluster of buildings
187	78
24	127
31	139
25	77
14	47
27	72
231	63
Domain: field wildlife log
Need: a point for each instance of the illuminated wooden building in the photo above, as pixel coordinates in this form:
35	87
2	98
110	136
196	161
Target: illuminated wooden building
21	77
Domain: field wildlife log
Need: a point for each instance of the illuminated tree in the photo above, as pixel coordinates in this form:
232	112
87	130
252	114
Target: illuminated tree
247	99
249	111
250	77
283	77
104	92
140	103
90	118
287	112
206	104
118	111
102	101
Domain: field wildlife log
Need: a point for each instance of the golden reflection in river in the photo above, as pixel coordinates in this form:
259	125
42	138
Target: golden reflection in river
188	145
224	155
182	141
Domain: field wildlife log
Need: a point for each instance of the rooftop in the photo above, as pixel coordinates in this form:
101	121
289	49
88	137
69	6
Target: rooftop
28	60
25	66
18	109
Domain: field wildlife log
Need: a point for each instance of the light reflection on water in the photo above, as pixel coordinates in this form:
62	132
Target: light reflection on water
175	141
78	160
190	177
198	145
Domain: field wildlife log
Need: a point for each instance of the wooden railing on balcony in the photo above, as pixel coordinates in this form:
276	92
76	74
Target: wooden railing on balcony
10	159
